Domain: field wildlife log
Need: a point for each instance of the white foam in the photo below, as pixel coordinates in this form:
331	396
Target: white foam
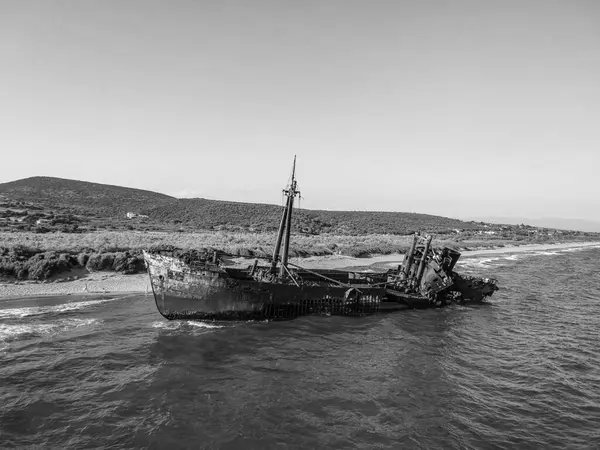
9	332
81	322
15	313
178	324
577	249
171	325
203	324
486	262
13	331
476	262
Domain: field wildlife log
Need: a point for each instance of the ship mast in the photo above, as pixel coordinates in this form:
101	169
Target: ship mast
285	227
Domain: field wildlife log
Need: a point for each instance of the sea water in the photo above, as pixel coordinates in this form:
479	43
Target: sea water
522	371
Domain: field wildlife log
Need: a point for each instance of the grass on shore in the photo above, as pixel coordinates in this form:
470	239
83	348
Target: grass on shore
235	243
26	255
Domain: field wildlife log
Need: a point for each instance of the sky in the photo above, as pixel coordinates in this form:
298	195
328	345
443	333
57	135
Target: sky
455	108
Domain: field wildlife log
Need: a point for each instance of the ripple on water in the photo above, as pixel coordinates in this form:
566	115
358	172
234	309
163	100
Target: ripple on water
520	372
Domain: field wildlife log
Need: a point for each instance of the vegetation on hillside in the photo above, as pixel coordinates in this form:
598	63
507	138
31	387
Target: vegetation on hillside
43	204
81	196
213	214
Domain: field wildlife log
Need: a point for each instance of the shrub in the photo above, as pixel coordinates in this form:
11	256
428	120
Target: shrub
126	263
20	251
8	267
22	273
100	261
120	261
82	259
43	265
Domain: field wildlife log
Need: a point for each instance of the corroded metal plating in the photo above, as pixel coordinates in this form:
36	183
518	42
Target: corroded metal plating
209	291
429	274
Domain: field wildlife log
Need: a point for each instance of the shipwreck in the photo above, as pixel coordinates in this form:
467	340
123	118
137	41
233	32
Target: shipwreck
207	287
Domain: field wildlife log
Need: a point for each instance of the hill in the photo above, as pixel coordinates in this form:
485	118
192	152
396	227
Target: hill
45	204
85	200
210	214
81	196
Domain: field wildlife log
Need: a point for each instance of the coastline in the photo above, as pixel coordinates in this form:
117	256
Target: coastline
92	284
348	262
115	283
531	247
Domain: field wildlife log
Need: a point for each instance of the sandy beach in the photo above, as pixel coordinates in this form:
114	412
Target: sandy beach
93	283
110	282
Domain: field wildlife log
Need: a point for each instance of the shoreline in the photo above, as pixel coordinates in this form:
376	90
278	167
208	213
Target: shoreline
346	262
95	283
531	247
92	284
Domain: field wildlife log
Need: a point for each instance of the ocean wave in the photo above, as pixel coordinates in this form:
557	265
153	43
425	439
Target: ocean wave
181	324
21	331
579	249
478	262
487	261
203	324
18	313
14	331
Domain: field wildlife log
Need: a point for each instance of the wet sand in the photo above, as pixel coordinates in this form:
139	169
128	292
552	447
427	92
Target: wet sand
110	282
93	283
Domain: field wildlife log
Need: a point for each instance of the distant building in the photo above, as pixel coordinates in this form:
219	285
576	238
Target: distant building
132	215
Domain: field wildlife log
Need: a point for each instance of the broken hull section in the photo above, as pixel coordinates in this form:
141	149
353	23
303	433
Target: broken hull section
210	292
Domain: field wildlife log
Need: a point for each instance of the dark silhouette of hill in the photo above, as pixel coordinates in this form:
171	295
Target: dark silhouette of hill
361	222
82	196
208	214
107	201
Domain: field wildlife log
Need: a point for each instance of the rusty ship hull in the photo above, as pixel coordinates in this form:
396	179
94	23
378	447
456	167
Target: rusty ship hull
207	291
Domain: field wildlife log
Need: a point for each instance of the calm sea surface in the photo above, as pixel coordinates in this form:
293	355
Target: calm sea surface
520	372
